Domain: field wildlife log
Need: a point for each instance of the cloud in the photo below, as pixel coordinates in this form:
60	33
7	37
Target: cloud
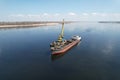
72	14
95	16
29	15
57	14
108	48
45	14
17	15
32	16
85	14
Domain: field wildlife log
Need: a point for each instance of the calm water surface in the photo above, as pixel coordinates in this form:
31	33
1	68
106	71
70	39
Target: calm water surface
25	53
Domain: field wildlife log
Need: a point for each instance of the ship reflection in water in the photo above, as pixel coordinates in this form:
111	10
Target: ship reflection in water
58	56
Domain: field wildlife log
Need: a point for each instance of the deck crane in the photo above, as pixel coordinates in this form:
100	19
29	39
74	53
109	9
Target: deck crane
60	38
60	46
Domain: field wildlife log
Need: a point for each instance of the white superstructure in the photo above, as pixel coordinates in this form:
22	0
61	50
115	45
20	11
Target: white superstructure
76	37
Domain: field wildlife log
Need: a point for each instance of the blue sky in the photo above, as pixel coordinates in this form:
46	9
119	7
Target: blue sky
15	10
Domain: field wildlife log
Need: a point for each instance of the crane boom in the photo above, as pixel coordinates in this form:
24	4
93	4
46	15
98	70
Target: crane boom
62	33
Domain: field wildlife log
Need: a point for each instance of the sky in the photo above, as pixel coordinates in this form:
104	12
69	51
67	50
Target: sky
50	10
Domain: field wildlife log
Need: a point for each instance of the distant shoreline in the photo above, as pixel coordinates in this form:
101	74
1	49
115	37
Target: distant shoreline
28	24
118	22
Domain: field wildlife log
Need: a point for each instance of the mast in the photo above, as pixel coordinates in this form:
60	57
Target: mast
60	38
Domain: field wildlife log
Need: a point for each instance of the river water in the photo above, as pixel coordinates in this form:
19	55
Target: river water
25	53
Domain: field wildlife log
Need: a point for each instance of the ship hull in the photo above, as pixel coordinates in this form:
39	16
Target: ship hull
66	48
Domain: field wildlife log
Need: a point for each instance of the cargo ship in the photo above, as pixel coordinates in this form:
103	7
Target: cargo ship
61	45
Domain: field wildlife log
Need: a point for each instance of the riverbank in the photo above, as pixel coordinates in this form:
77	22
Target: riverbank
28	24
